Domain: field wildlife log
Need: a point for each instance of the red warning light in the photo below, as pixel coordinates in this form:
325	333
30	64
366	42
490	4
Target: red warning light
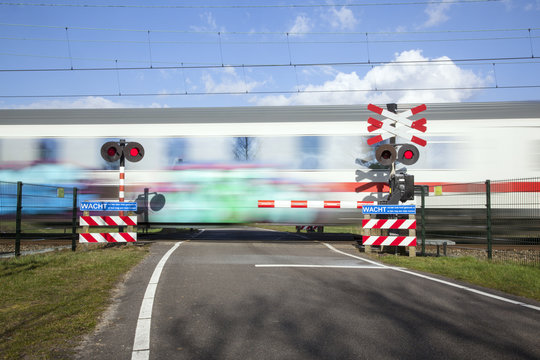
408	154
111	151
134	151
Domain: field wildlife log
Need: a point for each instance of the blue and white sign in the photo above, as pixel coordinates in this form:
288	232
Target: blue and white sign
108	206
389	209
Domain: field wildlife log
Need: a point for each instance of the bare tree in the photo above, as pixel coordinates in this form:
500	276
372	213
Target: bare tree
244	148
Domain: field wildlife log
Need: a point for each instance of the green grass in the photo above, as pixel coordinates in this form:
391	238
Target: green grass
47	302
522	280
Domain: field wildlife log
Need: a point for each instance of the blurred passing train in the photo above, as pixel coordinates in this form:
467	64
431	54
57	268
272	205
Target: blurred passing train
212	165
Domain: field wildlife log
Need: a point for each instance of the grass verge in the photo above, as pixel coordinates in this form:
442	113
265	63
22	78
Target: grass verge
521	280
47	302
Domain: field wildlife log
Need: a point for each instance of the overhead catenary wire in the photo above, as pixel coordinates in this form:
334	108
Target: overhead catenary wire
271	92
440	61
269	42
224	32
286	40
224	38
249	6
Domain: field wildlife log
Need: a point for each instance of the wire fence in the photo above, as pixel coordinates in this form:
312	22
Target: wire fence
499	220
35	211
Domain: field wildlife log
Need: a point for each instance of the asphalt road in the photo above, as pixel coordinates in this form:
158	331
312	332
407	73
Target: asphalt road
243	294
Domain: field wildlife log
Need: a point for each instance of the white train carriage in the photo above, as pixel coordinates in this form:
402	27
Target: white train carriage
213	164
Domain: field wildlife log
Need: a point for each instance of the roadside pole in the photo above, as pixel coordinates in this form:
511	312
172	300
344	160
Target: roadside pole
74	222
18	219
488	219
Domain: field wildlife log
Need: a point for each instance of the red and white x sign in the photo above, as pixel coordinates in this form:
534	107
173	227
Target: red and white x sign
402	118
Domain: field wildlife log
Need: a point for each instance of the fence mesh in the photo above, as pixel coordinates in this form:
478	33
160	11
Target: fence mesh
46	213
8	206
460	213
515	219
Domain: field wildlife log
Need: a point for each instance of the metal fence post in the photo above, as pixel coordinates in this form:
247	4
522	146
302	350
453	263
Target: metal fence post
74	222
145	213
423	216
18	219
488	218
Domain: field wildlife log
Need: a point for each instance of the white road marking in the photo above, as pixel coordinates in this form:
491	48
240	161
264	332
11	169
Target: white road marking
483	293
322	266
141	342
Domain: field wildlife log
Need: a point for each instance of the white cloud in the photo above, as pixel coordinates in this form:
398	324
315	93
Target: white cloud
341	19
88	102
302	24
411	77
209	23
437	13
229	81
532	6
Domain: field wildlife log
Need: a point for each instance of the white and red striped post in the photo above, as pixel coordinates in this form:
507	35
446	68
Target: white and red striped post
121	189
122	182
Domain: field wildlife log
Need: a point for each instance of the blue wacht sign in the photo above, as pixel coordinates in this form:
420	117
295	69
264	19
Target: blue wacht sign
108	206
389	209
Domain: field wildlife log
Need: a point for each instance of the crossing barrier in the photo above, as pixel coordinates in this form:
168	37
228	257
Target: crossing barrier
87	237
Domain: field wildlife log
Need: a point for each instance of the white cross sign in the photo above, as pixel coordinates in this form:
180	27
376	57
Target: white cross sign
402	118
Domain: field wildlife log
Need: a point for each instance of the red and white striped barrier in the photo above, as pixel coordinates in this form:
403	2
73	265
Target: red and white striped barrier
309	227
107	237
108	220
389	223
389	240
316	204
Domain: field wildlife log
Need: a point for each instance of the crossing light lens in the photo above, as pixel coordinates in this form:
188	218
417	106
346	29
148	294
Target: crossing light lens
111	151
134	151
386	154
408	154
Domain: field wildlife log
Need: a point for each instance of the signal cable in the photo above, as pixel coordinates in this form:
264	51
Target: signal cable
283	92
248	6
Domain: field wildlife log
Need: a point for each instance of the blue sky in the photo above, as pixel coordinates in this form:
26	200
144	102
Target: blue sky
244	53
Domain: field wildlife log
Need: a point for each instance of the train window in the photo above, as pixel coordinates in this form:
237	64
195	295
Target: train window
245	148
310	150
442	152
176	150
48	150
535	146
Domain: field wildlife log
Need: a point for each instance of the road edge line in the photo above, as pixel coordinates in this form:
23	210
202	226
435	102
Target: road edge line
141	340
483	293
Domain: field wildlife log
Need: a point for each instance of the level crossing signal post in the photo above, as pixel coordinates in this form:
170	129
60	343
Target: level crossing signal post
113	151
396	125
